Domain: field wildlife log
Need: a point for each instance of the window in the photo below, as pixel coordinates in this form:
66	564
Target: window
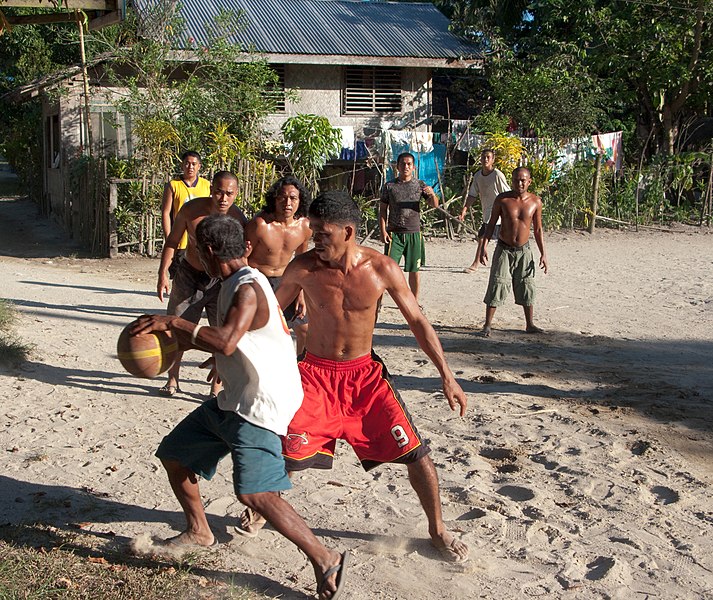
277	93
110	132
369	90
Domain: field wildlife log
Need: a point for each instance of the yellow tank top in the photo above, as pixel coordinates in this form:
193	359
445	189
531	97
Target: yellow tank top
182	193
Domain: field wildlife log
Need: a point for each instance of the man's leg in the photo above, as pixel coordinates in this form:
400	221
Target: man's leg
285	520
424	480
489	314
171	386
478	254
414	282
185	486
530	326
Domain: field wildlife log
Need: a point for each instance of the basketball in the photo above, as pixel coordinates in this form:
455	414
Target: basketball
146	355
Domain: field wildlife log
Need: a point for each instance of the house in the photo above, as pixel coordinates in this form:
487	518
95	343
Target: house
362	64
366	66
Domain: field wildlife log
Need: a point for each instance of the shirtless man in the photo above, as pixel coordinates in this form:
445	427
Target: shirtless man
193	289
513	261
348	392
276	234
250	344
487	183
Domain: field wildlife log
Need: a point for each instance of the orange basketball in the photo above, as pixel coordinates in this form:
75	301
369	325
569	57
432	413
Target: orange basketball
146	355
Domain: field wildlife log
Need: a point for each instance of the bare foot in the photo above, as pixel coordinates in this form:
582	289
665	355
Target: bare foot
485	332
533	329
188	539
471	269
330	582
451	548
251	522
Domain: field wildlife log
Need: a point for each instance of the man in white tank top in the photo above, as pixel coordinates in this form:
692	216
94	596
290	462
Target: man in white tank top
261	392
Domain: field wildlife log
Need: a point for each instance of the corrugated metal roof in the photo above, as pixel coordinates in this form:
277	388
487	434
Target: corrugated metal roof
329	27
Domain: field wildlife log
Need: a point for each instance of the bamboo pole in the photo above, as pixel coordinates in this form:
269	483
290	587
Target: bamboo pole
85	79
595	191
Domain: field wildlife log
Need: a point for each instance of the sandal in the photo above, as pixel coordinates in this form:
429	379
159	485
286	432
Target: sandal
168	390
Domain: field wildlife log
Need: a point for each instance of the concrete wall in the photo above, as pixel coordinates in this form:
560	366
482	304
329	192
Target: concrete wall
319	88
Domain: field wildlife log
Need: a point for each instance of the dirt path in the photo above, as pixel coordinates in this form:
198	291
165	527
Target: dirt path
583	466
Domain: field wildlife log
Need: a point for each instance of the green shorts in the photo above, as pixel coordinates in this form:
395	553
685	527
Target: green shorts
511	267
208	434
409	245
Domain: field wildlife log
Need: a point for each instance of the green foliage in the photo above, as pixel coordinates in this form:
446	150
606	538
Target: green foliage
508	152
312	141
555	98
13	351
490	121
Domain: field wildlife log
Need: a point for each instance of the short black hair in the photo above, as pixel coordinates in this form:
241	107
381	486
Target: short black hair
529	173
405	155
225	175
223	234
336	207
189	154
274	190
487	151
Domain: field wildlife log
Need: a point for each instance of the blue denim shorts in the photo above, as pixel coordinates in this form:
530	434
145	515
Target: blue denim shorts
208	434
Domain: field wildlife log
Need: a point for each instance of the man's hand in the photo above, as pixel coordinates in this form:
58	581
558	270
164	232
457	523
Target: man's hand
149	323
484	255
162	287
300	305
543	264
213	373
463	213
385	237
455	395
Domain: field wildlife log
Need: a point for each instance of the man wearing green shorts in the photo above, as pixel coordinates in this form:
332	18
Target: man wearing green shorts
400	218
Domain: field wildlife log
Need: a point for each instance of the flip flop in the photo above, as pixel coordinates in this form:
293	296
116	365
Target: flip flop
341	571
255	523
450	553
168	390
173	544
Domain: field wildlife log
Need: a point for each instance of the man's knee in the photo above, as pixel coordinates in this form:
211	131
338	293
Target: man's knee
258	501
175	468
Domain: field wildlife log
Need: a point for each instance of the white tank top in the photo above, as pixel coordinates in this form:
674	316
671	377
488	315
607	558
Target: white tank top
261	381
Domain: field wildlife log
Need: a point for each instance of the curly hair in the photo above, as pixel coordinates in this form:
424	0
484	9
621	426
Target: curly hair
274	190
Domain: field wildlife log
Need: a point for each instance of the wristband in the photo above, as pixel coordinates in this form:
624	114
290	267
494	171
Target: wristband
194	335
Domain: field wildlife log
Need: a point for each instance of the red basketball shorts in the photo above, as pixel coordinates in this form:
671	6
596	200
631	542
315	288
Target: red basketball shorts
355	401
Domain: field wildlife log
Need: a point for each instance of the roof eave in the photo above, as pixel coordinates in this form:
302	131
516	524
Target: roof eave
342	59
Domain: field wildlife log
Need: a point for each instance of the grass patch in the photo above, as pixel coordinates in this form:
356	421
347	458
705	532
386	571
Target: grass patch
39	562
13	351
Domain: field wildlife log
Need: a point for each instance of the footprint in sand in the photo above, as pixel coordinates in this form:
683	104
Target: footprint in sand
516	493
599	567
475	513
665	495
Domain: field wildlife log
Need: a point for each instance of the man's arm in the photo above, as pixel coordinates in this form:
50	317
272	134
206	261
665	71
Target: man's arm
169	251
423	332
469	201
470	198
430	195
166	210
539	238
290	285
383	214
501	184
489	230
224	339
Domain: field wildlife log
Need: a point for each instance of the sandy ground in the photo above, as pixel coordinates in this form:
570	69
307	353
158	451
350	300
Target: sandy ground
582	468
